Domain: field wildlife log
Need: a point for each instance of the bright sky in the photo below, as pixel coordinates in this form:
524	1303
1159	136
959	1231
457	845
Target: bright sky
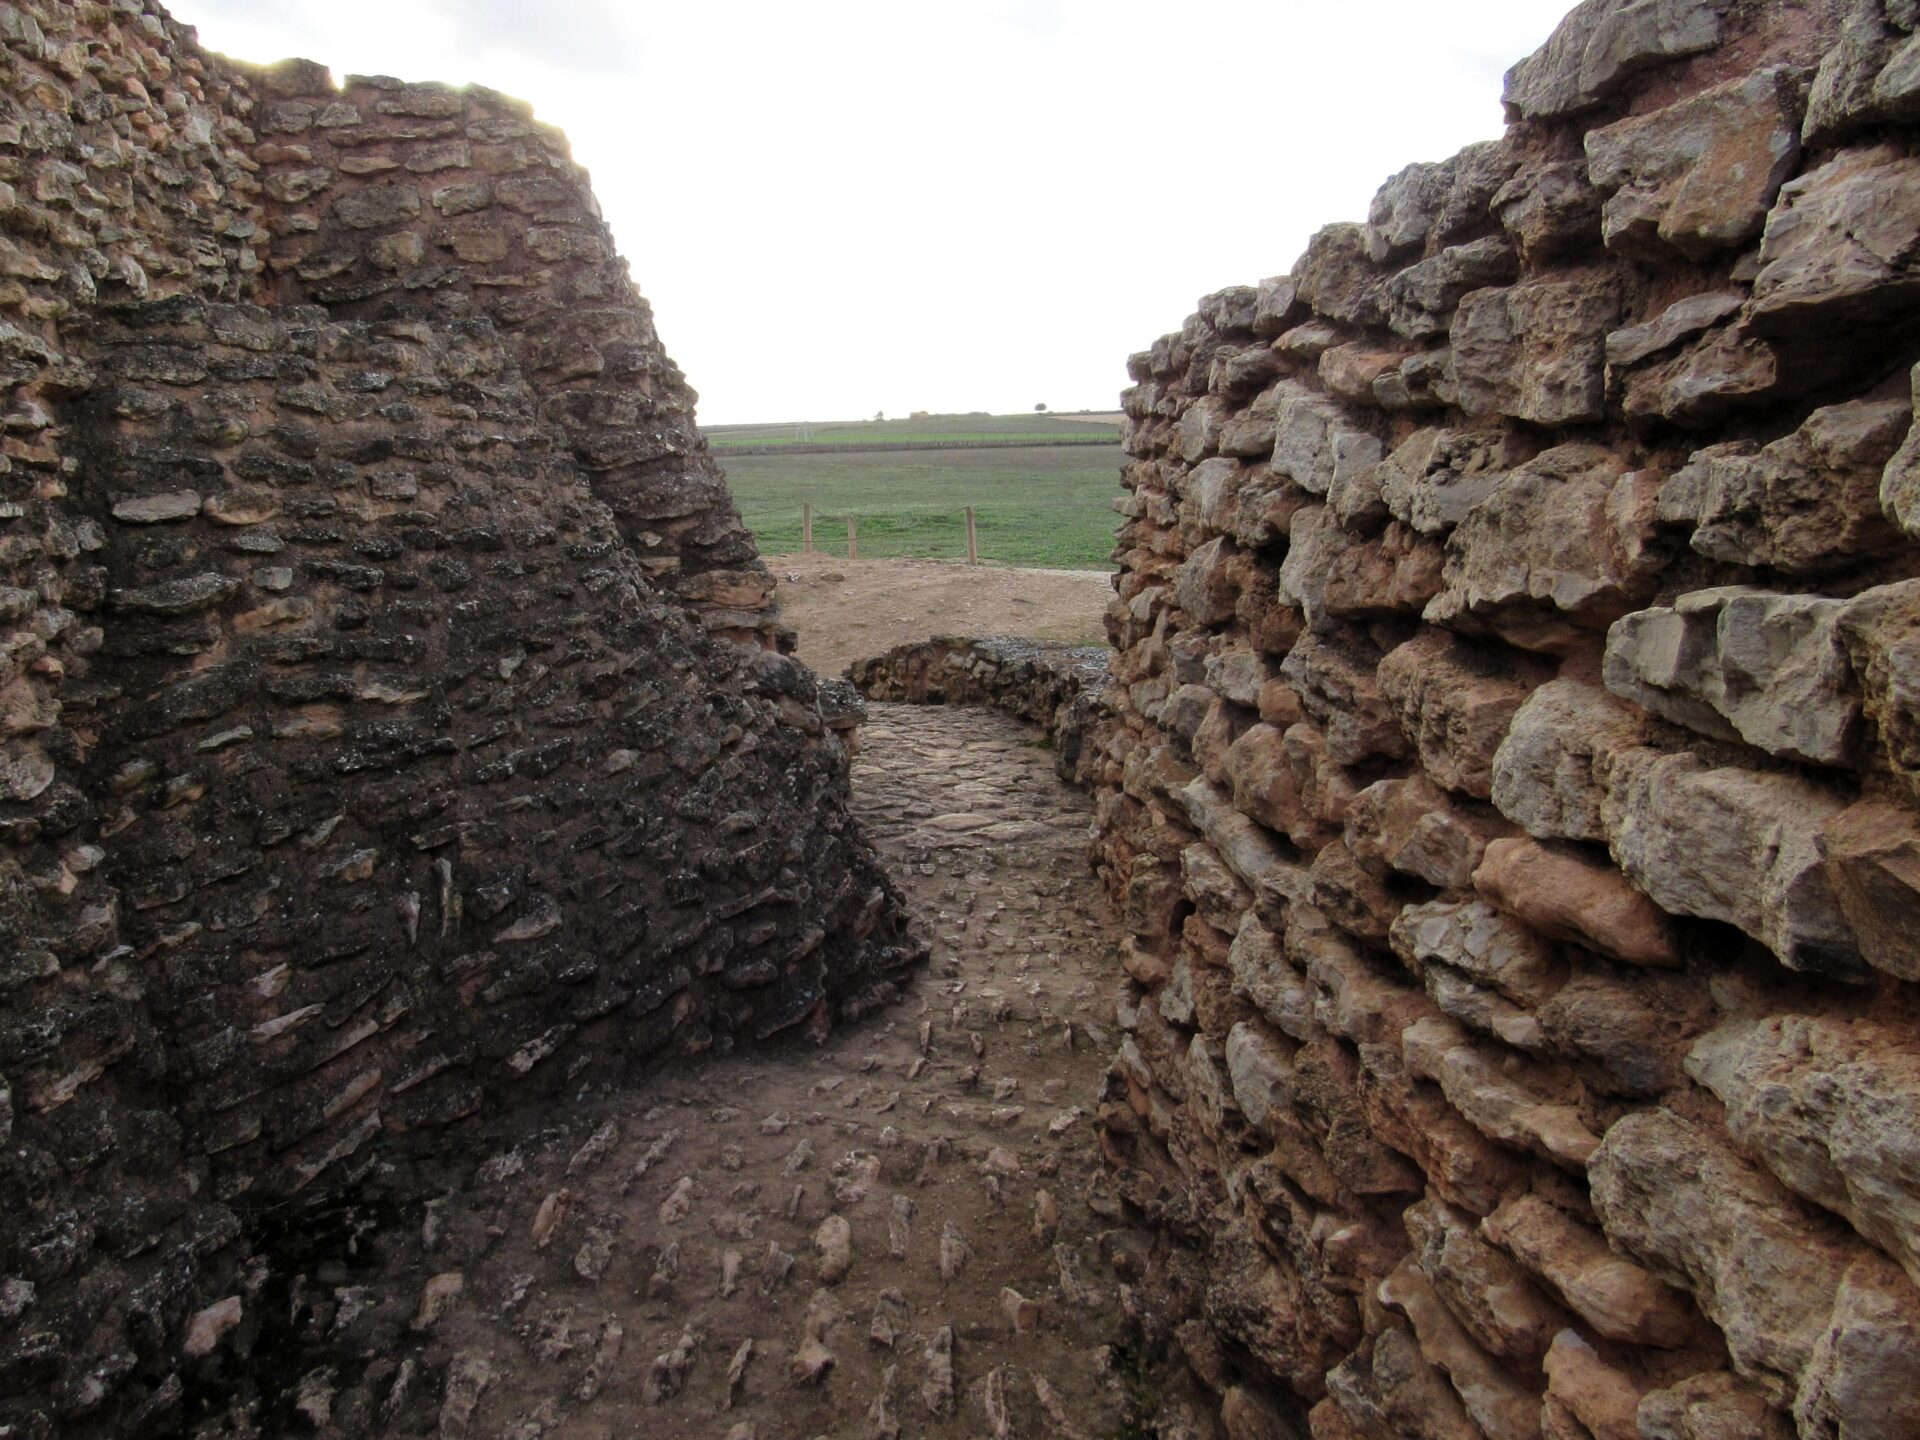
844	206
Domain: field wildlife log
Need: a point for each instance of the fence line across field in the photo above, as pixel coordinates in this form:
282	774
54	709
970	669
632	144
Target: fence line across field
853	534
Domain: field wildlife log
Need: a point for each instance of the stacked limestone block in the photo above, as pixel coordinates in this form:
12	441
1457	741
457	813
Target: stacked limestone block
387	199
1515	797
357	772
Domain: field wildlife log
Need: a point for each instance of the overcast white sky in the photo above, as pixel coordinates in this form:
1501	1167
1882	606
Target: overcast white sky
844	206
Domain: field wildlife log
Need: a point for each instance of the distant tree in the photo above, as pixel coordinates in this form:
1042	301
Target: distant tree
1040	409
879	414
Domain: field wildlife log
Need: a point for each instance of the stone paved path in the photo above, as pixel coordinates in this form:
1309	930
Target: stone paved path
903	1232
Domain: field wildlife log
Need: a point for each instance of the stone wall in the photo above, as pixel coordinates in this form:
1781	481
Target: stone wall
386	199
1060	688
1513	799
374	752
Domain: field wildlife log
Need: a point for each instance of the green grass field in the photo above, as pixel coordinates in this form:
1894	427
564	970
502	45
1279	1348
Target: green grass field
934	429
1048	507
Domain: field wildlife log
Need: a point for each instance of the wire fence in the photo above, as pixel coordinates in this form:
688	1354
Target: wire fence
852	522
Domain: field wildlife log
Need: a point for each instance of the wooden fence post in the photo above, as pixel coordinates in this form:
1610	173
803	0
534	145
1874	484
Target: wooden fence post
806	529
973	544
853	540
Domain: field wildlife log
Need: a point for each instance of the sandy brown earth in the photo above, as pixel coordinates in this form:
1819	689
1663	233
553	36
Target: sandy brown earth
845	610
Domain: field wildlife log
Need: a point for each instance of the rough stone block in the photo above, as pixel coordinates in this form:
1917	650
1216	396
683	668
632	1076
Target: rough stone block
1699	175
1435	477
1734	845
1544	773
1842	246
1618	1298
1454	701
1881	628
1833	1110
1818	1321
1536	351
1736	663
1559	891
1872	852
1602	44
1337	686
1417	828
1806	504
1483	944
1560	547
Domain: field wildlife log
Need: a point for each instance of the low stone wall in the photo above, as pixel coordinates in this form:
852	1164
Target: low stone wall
1060	688
1513	790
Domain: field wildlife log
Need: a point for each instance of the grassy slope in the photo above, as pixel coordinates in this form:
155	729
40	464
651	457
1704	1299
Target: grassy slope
1047	507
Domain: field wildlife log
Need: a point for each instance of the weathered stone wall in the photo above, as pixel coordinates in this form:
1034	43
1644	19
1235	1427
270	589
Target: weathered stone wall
1060	688
385	199
373	749
1513	800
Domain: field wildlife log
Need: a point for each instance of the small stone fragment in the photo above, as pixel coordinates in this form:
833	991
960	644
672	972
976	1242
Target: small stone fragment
737	1371
436	1298
1023	1314
679	1202
954	1252
899	1226
547	1219
937	1389
1046	1217
834	1242
206	1329
811	1358
889	1318
668	1373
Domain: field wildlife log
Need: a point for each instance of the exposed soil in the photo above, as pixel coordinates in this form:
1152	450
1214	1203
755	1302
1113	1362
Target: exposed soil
845	610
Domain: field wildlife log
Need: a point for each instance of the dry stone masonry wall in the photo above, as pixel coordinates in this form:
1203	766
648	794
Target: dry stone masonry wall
1515	786
385	199
1060	688
375	749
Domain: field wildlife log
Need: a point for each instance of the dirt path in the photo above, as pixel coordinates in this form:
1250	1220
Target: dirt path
665	1263
845	610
